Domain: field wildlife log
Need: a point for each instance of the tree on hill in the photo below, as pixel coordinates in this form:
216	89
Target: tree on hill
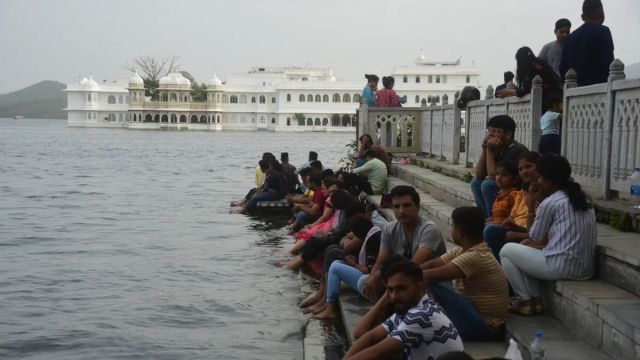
152	68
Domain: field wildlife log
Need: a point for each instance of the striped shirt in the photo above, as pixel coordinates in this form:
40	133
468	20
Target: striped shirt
572	236
425	330
484	284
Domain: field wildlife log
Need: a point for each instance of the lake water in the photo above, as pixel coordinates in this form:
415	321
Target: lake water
119	244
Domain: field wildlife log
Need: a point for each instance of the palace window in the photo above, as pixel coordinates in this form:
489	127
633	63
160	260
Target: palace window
417	100
120	99
301	98
233	99
437	79
273	100
111	99
346	98
405	79
253	99
430	79
262	99
225	99
318	98
417	79
444	79
356	98
309	98
288	97
325	98
468	79
243	99
336	98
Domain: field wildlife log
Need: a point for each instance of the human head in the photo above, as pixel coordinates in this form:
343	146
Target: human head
527	166
406	204
268	156
329	186
369	154
284	157
507	174
353	208
562	30
592	11
365	139
372	247
388	81
264	165
503	127
555	174
328	174
340	199
316	167
554	102
315	182
372	80
405	285
508	76
525	60
468	223
313	156
360	225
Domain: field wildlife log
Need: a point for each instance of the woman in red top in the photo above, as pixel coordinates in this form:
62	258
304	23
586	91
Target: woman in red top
387	97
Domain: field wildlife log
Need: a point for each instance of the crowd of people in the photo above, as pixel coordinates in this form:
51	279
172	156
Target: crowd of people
532	222
588	51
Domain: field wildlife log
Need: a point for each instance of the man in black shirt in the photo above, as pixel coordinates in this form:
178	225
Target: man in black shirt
498	145
589	50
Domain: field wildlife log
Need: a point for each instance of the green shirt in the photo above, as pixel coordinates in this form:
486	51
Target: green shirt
376	171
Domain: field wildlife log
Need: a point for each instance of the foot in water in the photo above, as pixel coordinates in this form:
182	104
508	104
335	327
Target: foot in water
311	299
295	263
329	312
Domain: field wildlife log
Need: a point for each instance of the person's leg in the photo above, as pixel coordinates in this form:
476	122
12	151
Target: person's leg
476	189
494	236
253	202
461	311
489	190
303	218
339	271
524	266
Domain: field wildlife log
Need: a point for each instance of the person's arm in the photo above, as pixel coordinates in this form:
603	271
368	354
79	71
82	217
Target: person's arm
372	317
368	166
326	214
422	255
542	223
447	272
375	279
433	263
481	165
384	348
605	51
492	148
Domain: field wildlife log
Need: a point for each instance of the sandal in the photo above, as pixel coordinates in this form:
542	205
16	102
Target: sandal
537	305
524	307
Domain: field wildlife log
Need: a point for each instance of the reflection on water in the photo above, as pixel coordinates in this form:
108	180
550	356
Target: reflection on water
119	244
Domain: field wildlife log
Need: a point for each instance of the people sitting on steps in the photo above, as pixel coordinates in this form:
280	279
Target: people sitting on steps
418	328
410	235
273	188
514	227
375	172
498	145
478	305
562	232
366	143
308	213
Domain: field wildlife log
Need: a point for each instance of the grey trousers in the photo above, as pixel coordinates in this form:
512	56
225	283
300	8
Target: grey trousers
524	267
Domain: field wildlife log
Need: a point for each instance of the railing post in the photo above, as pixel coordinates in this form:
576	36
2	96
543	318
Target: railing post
616	72
536	112
489	93
456	130
570	81
445	99
363	119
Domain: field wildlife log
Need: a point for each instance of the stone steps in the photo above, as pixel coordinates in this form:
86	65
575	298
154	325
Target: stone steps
600	312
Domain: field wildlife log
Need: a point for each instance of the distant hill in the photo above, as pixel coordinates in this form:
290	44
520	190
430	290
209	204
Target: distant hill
44	100
632	71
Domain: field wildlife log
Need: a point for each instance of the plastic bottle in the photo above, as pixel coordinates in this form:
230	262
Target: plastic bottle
635	188
535	349
513	353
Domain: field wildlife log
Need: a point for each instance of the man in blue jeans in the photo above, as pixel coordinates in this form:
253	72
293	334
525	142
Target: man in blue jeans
478	307
498	145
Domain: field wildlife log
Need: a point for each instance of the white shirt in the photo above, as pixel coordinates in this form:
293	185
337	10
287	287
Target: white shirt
425	330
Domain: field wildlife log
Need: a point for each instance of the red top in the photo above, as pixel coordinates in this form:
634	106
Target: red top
319	198
387	98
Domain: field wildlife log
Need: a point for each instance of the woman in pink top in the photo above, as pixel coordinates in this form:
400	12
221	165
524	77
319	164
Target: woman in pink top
387	97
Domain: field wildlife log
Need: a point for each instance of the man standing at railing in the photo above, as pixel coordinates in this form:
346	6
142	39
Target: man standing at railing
589	50
498	145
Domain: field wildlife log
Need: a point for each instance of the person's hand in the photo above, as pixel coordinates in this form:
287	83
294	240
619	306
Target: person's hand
306	227
535	194
494	143
505	93
371	287
296	207
350	260
511	235
484	142
288	197
508	222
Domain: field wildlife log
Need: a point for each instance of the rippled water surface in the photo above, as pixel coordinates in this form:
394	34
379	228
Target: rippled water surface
119	244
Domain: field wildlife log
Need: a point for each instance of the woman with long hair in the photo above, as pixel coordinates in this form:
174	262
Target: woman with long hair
562	234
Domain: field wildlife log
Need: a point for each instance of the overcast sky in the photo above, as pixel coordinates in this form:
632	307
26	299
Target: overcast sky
63	39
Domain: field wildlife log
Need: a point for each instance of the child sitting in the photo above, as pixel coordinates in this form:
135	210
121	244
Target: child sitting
550	125
507	180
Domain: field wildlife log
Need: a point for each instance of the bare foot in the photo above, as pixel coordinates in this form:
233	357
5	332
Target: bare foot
311	299
294	263
328	313
320	309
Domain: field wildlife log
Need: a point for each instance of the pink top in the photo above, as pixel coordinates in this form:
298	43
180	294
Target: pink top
387	98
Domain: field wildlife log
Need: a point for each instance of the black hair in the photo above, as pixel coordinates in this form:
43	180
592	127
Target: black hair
353	208
525	60
315	179
388	81
508	76
557	170
394	258
403	190
327	182
264	164
284	156
366	136
313	155
360	226
405	267
371	77
457	355
369	153
316	164
562	23
340	199
469	220
553	98
530	156
275	164
509	166
590	7
305	171
504	122
373	244
327	173
267	156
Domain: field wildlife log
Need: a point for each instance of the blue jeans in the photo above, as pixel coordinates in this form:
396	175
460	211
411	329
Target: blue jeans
495	236
360	162
484	193
305	219
265	196
461	311
338	272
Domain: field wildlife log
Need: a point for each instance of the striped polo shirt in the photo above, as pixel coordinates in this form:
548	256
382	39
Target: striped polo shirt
572	236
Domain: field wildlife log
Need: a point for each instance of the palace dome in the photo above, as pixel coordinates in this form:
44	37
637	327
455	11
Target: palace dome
89	83
175	79
214	81
136	80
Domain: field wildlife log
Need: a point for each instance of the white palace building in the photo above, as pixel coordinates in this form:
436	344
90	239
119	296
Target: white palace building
265	98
